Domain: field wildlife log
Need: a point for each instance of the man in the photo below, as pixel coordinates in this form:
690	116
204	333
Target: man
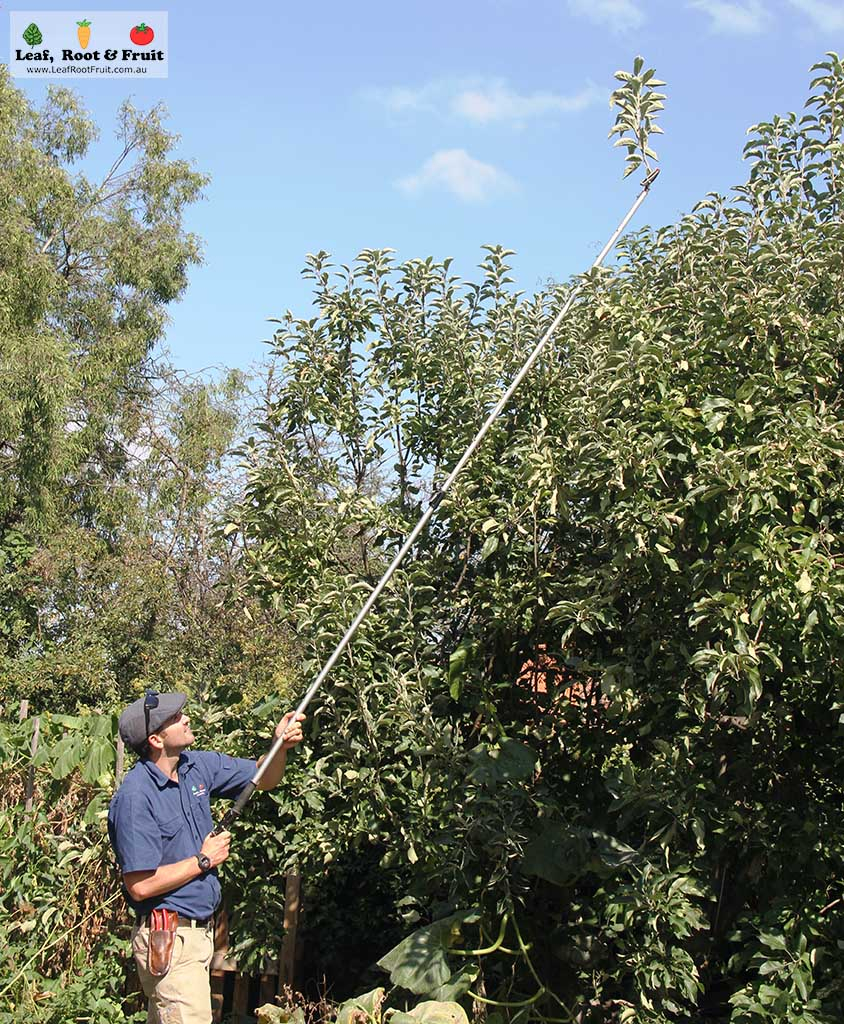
159	823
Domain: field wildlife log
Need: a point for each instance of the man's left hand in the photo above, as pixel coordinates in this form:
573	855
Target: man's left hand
291	728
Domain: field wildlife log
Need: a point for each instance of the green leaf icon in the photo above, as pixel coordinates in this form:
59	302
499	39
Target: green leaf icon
32	35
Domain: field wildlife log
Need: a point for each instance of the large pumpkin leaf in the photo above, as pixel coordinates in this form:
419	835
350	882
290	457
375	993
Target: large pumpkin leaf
561	852
458	984
270	1014
439	1012
558	854
508	761
362	1009
419	962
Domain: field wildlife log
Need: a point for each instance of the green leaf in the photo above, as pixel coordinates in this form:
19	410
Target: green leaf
458	984
96	809
362	1009
67	755
67	721
438	1012
770	967
507	762
772	940
269	1013
419	962
559	854
266	708
100	759
611	851
457	664
490	546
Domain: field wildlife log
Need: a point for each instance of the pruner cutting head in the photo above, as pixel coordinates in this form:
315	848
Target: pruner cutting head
650	179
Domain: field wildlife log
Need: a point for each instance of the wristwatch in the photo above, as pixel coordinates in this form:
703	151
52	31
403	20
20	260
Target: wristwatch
203	862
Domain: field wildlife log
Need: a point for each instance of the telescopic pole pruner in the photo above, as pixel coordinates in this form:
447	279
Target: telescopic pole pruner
234	811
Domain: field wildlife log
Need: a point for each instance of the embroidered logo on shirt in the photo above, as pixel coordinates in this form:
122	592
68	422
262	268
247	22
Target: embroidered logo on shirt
199	790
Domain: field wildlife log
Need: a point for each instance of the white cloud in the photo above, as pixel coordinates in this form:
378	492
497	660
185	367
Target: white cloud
454	170
827	16
619	15
494	101
400	100
483	100
747	18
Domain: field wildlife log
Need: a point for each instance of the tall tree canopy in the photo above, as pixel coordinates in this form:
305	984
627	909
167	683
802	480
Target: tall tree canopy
113	470
86	272
658	523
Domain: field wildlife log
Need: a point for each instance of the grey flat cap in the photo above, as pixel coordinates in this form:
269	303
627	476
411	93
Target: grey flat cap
147	714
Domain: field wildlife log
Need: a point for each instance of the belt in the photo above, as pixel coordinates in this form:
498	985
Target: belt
142	920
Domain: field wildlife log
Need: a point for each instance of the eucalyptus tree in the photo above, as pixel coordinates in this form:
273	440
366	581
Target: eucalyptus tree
113	467
87	270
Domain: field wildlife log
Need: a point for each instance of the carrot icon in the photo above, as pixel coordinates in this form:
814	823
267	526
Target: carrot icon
84	33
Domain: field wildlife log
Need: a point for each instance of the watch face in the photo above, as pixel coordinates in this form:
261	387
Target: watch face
204	862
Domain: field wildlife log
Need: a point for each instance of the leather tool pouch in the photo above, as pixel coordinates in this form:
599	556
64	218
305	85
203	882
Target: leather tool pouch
162	939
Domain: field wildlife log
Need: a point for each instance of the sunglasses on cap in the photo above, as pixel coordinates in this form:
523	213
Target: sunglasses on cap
150	704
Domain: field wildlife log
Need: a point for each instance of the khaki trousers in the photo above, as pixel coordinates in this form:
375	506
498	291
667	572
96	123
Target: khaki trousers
183	994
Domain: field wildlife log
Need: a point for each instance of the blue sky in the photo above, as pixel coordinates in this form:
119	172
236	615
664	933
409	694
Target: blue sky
435	128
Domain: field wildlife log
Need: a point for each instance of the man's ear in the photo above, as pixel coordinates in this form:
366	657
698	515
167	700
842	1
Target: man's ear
155	741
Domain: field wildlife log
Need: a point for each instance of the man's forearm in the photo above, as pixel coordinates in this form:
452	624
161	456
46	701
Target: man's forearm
143	885
275	769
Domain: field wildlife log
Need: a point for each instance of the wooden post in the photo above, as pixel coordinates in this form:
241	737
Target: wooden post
218	995
33	750
29	785
220	964
119	758
287	960
221	961
267	992
240	999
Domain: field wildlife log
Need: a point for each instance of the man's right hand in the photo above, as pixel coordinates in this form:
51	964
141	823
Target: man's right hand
143	885
216	848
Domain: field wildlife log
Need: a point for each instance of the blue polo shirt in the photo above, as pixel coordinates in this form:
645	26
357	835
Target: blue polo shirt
154	820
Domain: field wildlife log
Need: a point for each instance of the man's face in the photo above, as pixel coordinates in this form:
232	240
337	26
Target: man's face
176	734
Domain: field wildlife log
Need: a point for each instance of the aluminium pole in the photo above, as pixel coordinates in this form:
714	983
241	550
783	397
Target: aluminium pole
234	811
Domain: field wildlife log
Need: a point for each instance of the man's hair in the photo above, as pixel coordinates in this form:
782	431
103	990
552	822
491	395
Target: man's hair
144	750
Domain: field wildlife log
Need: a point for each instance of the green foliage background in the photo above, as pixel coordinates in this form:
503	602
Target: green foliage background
654	834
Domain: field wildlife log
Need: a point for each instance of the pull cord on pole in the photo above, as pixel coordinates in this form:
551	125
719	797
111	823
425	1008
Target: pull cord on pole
234	811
